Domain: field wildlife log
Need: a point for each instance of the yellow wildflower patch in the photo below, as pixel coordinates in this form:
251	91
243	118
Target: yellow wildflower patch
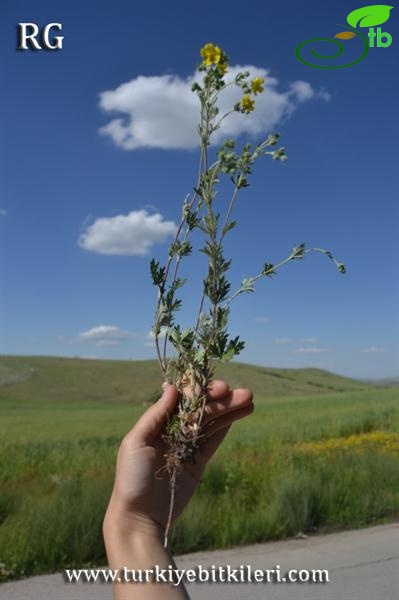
380	441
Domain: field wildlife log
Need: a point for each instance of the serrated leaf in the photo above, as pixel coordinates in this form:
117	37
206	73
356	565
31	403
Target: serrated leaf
228	355
178	283
247	285
229	227
157	274
369	16
268	269
345	35
298	251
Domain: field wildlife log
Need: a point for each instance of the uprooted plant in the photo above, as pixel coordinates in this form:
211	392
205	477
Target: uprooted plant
196	349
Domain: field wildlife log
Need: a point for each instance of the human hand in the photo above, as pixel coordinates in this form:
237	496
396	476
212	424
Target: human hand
141	490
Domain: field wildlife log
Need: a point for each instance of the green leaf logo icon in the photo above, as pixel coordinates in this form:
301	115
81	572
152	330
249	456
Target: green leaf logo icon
369	16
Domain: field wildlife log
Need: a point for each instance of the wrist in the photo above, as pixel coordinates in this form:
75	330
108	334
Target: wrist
121	522
132	540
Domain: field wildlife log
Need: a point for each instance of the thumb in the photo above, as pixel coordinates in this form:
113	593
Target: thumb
152	422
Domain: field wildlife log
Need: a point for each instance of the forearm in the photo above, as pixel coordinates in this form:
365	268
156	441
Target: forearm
136	543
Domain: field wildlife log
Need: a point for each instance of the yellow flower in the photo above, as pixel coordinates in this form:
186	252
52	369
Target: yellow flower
211	54
379	441
257	85
223	66
247	103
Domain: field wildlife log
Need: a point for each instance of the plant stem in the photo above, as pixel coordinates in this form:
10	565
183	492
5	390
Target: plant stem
171	506
230	208
186	235
162	361
277	266
323	252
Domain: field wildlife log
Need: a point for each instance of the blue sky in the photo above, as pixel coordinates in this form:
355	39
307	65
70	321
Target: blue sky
60	175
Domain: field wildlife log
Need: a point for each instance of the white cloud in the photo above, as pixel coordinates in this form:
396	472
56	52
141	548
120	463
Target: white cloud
150	343
132	234
303	90
151	335
311	350
262	319
3	212
105	335
372	349
324	95
162	111
309	340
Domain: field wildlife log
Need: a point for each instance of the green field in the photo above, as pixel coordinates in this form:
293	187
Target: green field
320	452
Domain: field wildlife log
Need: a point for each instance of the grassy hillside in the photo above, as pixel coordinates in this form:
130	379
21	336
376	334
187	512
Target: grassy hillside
32	378
311	457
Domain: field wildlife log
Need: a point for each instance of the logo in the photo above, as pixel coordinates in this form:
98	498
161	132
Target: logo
367	17
29	32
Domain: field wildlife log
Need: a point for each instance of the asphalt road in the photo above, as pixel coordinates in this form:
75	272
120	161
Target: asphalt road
363	565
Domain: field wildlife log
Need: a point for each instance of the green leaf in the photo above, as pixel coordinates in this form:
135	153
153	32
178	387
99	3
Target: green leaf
157	274
228	355
178	283
191	220
242	182
218	346
222	289
268	269
229	227
234	347
369	16
187	337
175	335
180	249
222	317
247	285
279	155
272	139
328	253
229	144
298	251
185	249
164	317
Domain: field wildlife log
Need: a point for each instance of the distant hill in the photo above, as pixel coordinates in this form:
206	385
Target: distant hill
73	379
385	382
